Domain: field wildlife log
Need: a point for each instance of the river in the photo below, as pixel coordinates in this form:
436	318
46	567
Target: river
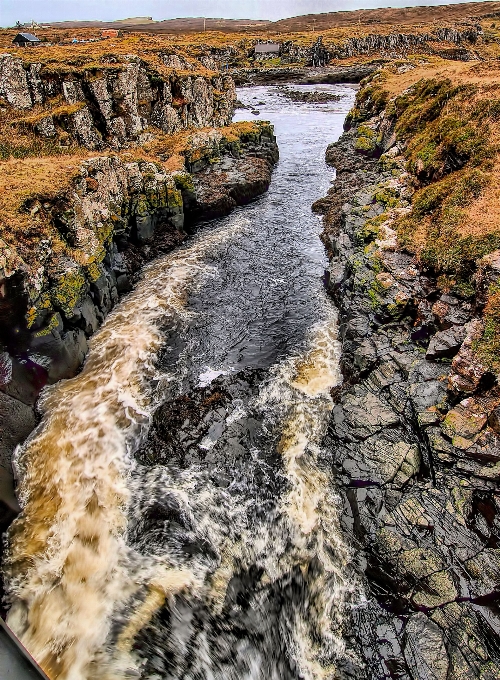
176	522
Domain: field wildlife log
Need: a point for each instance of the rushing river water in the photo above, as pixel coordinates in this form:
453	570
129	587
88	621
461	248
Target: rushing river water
176	522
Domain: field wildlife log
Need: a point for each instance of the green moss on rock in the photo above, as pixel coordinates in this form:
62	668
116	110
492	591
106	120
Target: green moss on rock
67	291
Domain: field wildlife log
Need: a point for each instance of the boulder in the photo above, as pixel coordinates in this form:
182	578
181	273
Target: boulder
14	82
45	127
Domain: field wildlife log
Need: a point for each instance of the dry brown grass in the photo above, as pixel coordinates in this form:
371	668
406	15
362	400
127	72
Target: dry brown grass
448	114
483	213
21	180
102	55
334	27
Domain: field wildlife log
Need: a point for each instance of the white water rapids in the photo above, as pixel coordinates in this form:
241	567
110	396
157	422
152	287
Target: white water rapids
230	563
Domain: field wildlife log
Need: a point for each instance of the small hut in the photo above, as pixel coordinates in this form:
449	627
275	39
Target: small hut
26	40
266	51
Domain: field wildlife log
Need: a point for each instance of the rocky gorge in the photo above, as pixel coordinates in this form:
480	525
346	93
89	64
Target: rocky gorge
263	484
114	213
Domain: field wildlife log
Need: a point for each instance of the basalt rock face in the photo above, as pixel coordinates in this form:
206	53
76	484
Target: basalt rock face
413	439
112	104
235	180
116	216
455	43
399	43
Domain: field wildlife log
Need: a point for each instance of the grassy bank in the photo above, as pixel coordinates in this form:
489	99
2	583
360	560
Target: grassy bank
445	117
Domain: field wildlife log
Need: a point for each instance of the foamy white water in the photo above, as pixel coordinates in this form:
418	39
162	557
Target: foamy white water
69	567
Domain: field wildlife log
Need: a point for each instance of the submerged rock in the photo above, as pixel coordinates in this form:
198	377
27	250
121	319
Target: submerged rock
310	97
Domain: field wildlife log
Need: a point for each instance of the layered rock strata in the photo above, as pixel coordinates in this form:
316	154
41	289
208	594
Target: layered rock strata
413	439
400	43
456	42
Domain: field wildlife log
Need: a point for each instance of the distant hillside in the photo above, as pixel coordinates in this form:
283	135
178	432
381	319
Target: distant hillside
182	25
400	15
396	16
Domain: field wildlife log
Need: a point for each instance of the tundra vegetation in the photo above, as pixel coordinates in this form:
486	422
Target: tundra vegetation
445	117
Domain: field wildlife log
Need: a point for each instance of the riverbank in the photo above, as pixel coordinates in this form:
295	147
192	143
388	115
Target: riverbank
304	75
114	216
413	437
75	228
181	462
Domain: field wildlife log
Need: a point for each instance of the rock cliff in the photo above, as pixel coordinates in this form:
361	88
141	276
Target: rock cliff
90	241
400	43
457	41
414	437
112	101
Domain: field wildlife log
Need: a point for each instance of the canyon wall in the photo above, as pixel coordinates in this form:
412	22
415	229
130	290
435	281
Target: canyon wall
402	43
461	41
68	256
115	216
113	101
414	437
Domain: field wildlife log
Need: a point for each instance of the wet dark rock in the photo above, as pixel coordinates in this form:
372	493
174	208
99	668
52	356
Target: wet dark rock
425	650
215	431
18	420
467	370
232	181
186	428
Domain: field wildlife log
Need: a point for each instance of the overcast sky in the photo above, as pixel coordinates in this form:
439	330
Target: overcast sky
108	10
